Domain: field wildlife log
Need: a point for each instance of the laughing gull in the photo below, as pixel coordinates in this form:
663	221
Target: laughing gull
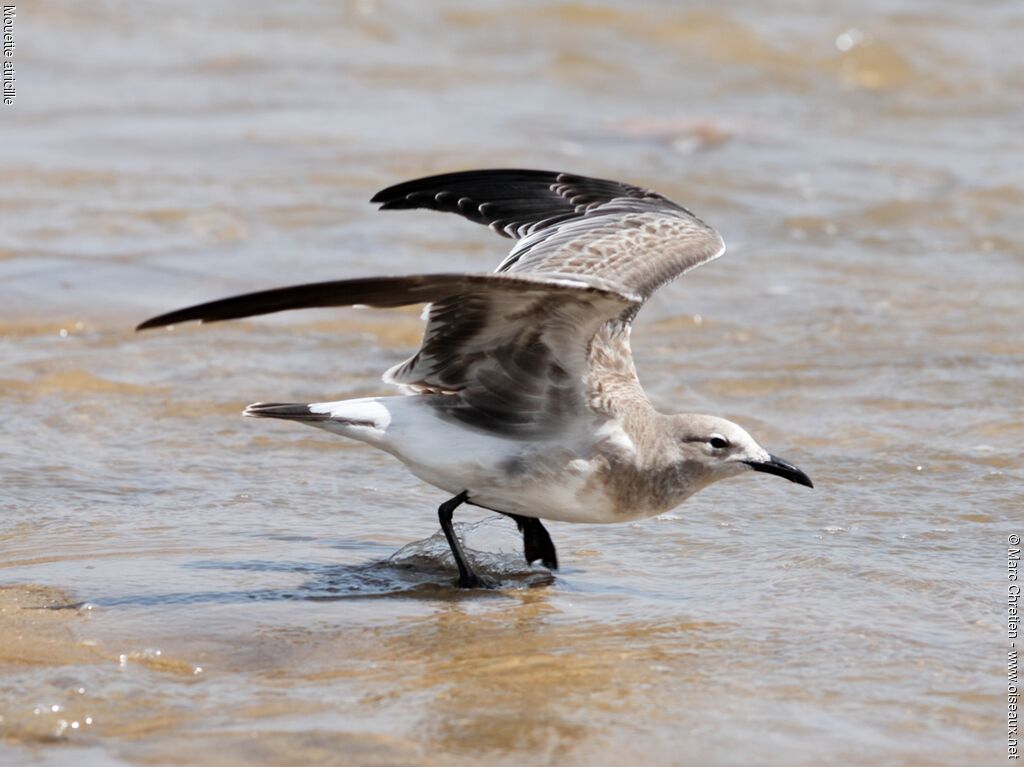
523	397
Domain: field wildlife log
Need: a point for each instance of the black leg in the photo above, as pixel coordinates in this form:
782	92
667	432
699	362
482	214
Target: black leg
536	541
467	578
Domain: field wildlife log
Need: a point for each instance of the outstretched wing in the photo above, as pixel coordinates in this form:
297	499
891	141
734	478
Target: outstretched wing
517	348
567	224
512	348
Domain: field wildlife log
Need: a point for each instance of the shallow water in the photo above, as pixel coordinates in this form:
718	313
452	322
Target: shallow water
243	592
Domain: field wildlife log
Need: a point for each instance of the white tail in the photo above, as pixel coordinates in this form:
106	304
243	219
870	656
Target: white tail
363	419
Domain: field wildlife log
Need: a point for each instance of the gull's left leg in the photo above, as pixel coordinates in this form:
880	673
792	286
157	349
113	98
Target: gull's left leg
467	578
536	541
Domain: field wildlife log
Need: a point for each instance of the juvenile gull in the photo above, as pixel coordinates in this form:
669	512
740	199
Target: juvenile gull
523	397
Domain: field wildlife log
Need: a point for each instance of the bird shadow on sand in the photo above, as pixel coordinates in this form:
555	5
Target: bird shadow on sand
420	570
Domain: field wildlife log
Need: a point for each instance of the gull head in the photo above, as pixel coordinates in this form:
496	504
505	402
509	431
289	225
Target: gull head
717	448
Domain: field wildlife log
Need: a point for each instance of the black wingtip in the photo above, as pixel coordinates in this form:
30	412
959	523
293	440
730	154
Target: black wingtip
152	322
402	203
397	196
171	318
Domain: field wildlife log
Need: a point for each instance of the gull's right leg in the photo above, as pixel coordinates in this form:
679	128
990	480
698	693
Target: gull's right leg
536	541
467	578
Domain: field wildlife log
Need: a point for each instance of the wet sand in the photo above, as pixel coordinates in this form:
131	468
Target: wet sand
190	588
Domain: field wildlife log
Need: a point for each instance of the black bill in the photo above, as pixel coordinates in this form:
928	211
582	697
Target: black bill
781	468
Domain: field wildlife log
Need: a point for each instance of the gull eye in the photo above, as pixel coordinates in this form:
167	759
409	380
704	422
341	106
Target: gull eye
718	442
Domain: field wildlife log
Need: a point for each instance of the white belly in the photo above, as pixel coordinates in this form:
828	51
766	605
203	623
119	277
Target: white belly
549	480
571	496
